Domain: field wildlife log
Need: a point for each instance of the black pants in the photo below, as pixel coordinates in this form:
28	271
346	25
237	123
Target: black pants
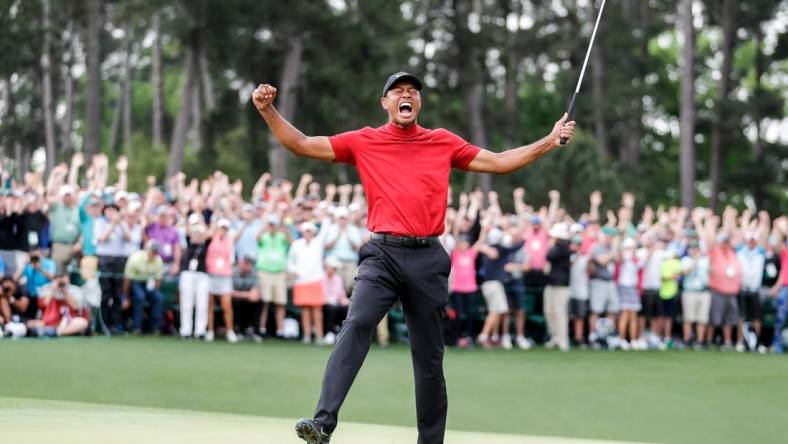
419	278
247	313
462	326
333	315
111	282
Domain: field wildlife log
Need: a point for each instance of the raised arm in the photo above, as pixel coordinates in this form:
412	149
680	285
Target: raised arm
289	136
514	159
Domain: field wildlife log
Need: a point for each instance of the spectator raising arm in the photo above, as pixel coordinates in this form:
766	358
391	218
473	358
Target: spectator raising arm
291	138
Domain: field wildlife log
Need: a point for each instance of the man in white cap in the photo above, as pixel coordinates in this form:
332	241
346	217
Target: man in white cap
64	227
405	171
752	257
273	241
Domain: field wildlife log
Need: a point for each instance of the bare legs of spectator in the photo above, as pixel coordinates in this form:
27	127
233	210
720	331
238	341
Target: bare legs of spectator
383	331
700	332
628	325
226	301
279	316
666	323
312	320
756	326
579	324
491	323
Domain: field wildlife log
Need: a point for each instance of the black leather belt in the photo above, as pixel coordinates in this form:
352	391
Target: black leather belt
405	241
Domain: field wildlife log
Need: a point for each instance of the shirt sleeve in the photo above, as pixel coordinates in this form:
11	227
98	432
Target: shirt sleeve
343	145
462	151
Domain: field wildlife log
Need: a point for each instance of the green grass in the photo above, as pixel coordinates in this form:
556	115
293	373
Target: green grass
678	397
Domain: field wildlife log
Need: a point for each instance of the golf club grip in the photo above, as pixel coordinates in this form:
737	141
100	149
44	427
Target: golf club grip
570	114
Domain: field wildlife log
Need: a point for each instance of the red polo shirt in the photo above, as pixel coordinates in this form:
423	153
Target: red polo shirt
405	173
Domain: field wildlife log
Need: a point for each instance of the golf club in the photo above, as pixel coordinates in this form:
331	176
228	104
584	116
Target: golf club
571	112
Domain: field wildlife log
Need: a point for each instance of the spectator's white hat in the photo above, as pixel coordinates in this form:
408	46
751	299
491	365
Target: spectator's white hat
494	236
560	231
332	262
195	218
248	208
576	229
308	226
723	237
223	223
750	236
134	205
198	228
629	243
65	190
341	212
273	219
121	195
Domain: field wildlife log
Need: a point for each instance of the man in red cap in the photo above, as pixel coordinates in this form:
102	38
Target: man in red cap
404	169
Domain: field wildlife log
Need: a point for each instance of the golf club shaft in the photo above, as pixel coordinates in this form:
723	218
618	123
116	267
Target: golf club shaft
571	111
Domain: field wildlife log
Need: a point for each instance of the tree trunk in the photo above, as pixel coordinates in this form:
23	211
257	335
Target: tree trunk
126	89
67	125
178	143
597	94
758	192
729	9
287	98
511	85
475	107
93	62
207	84
687	104
46	83
158	84
196	110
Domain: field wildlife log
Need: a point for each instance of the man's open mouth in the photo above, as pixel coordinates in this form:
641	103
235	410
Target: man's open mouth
405	108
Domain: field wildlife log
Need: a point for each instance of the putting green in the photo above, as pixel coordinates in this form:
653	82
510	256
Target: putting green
24	421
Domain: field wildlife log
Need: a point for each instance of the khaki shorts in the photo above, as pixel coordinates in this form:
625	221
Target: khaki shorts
273	287
348	272
495	296
696	306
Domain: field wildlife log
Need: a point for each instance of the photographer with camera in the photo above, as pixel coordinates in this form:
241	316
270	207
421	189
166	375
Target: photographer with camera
38	272
14	307
63	310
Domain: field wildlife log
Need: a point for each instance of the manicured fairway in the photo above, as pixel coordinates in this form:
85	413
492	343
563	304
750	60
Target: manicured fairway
682	397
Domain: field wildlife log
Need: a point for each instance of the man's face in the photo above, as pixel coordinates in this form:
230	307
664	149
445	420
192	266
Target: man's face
68	199
403	103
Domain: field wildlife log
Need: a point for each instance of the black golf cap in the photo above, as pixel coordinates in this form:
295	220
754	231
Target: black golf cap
400	77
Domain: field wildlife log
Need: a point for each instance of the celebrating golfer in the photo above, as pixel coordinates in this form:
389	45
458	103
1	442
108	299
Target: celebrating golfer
405	172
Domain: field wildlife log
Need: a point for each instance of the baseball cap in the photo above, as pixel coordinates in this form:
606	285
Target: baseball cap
400	77
66	189
341	212
609	231
332	262
308	226
629	243
560	231
152	246
223	223
273	219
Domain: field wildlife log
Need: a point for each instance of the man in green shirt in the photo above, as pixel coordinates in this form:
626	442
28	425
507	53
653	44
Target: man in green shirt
142	277
272	242
64	226
671	272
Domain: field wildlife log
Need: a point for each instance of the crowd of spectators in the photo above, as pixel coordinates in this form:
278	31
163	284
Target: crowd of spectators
82	256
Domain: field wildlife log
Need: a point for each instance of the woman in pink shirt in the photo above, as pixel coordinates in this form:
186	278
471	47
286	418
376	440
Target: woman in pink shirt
219	264
462	287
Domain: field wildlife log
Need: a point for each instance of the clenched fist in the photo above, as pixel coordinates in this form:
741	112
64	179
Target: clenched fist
263	97
563	130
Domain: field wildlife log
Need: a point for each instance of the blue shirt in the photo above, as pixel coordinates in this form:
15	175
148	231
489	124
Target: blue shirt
246	245
35	278
698	278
